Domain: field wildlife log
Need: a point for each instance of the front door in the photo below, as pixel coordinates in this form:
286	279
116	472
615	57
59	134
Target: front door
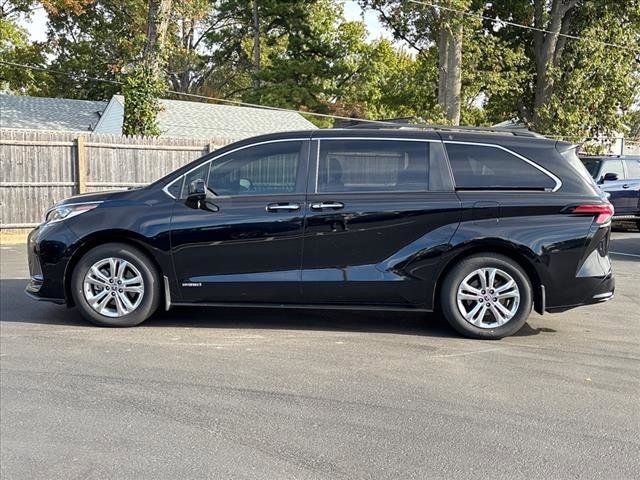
379	213
245	243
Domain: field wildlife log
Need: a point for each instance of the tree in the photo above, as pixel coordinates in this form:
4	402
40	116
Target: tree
581	88
424	28
146	82
96	42
15	48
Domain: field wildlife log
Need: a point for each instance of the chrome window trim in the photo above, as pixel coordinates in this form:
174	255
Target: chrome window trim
165	188
398	139
553	177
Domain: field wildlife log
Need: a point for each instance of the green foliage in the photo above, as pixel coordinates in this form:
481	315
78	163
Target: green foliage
594	85
142	87
15	47
97	41
313	60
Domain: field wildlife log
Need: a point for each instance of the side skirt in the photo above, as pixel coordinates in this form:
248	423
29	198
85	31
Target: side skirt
384	308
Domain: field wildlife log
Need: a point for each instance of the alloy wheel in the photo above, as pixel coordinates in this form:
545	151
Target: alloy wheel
488	297
113	287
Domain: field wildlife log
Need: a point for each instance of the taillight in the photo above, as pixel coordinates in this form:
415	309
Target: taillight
603	211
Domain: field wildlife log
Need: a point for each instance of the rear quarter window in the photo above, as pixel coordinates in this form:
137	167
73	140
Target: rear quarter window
491	167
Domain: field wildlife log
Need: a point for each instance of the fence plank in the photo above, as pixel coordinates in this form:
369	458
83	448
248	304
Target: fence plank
81	169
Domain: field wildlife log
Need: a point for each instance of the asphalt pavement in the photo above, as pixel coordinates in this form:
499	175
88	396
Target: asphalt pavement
287	394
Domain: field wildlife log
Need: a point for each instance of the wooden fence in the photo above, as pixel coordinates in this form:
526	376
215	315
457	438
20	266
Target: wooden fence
39	168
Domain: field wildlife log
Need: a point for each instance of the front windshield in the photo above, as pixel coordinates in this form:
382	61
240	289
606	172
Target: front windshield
592	165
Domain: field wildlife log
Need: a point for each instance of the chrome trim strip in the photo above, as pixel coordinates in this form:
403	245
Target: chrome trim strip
400	139
302	139
530	162
167	294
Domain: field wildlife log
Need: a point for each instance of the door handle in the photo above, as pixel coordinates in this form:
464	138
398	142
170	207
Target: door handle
322	205
625	185
283	207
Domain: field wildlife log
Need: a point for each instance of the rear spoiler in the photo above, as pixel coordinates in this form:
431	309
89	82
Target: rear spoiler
564	147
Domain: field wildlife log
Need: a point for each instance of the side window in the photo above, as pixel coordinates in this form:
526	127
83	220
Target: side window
271	168
612	166
633	168
372	166
485	167
199	173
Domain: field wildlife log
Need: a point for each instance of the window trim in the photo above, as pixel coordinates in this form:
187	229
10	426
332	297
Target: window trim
623	164
165	189
553	177
396	139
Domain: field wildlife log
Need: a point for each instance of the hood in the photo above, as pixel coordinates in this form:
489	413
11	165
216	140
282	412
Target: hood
95	197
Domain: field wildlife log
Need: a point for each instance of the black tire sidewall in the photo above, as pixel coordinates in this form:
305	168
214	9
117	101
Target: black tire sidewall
131	254
460	271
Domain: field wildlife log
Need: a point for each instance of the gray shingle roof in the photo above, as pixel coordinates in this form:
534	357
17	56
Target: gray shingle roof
196	119
49	113
208	120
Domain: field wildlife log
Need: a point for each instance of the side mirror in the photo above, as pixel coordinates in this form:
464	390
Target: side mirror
197	190
610	177
197	196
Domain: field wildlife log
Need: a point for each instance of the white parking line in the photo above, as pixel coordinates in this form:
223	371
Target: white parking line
626	254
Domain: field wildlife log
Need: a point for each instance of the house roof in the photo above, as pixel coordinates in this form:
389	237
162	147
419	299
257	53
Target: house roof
42	113
208	120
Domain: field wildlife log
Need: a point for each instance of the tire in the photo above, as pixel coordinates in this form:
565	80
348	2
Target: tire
518	299
114	261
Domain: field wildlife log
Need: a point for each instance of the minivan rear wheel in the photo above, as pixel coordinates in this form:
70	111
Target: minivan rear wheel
486	296
115	285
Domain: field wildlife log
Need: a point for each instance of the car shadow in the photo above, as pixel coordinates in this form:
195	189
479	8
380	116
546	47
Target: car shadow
16	307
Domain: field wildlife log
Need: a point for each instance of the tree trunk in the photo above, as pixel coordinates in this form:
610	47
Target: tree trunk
443	63
548	49
450	66
256	45
157	23
454	75
146	81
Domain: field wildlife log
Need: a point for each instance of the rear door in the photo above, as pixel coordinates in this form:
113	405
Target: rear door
621	194
630	188
246	245
374	206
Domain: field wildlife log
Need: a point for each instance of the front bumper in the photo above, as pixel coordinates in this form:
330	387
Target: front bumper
49	248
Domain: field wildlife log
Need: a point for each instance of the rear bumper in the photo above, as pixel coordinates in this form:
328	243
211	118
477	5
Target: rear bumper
597	290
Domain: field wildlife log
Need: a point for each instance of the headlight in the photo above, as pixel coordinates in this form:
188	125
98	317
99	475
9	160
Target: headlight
60	212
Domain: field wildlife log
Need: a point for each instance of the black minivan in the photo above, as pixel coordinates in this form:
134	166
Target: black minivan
480	225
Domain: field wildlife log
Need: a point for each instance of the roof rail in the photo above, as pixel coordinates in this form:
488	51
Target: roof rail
404	124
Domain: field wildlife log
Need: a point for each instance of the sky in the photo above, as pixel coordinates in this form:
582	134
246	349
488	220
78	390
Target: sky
352	11
36	25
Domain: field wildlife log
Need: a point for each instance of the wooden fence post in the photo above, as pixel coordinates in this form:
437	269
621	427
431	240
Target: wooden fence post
81	165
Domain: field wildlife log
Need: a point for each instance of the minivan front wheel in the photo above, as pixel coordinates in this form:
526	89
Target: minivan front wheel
486	296
115	285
